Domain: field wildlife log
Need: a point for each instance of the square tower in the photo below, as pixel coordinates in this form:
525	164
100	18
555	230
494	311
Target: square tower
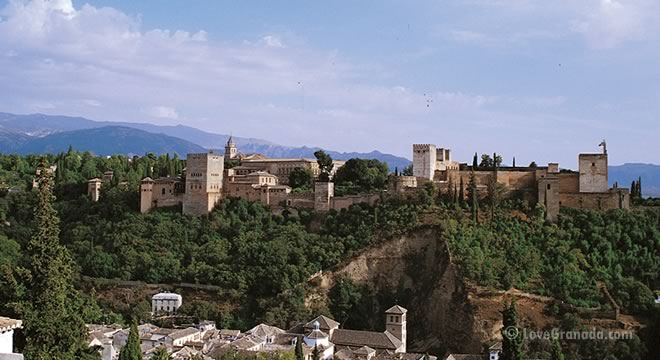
424	160
204	176
395	323
593	173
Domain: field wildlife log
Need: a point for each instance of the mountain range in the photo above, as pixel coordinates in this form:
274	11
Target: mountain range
39	133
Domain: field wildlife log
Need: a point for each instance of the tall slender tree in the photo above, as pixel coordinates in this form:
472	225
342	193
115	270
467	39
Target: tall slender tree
475	161
316	354
556	353
461	193
300	355
132	351
52	308
474	197
511	336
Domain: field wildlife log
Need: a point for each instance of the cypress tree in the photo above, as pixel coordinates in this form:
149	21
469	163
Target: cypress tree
52	308
633	189
514	161
639	188
474	197
316	355
511	335
461	193
132	351
299	349
475	162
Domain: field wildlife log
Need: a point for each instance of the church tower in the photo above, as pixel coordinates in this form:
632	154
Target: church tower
395	323
230	149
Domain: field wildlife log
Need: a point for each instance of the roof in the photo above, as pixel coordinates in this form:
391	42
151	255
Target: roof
464	357
376	340
496	346
396	309
147	179
261	173
229	332
316	334
264	330
95	180
245	343
183	333
166	296
365	350
325	323
7	324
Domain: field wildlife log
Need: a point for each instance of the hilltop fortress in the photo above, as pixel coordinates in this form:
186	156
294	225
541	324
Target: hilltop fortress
205	182
548	185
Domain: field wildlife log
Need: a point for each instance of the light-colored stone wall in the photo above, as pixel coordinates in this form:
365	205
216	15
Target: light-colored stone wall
593	173
424	160
204	181
569	182
94	189
323	193
548	196
612	199
344	202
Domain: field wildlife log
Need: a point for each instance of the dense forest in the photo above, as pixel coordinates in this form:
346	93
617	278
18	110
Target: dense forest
261	260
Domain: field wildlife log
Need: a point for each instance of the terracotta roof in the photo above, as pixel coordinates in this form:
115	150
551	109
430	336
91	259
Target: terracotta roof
396	309
264	330
7	324
325	323
376	340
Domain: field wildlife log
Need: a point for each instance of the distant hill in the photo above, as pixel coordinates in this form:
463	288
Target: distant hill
109	140
626	173
34	133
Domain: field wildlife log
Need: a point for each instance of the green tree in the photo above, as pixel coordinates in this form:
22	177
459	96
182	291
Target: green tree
316	354
301	178
325	165
461	193
364	175
556	353
132	350
407	171
474	197
475	162
52	308
161	354
300	355
512	341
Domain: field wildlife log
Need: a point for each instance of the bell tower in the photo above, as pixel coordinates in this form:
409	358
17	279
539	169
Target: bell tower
395	323
230	149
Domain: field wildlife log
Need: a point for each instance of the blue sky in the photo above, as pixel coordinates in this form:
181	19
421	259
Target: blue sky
538	80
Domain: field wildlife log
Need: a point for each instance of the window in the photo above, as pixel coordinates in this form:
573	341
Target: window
548	186
163	191
593	164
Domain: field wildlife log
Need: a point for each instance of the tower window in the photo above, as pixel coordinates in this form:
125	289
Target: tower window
548	186
593	164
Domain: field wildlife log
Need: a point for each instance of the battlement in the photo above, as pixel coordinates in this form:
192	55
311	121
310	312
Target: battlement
423	147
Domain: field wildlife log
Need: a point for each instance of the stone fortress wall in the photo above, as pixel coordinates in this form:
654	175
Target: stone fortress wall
588	188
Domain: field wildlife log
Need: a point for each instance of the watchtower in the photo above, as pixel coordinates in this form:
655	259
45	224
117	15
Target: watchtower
395	323
146	195
593	172
424	160
204	174
94	189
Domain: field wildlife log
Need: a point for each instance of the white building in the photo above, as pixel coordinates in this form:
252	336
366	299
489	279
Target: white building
166	303
7	327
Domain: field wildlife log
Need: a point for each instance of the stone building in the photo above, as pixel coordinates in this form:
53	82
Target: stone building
166	303
548	185
204	182
7	327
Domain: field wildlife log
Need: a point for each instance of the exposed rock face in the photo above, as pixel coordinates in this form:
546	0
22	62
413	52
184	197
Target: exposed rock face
416	270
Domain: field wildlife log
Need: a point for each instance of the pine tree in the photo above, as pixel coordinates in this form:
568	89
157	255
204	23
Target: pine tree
132	351
474	197
299	349
633	190
514	161
556	353
52	310
475	162
511	335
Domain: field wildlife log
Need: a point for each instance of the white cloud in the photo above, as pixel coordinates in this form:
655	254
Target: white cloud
611	22
272	41
163	112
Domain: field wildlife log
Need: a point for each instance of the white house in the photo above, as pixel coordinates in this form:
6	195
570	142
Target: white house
166	303
7	327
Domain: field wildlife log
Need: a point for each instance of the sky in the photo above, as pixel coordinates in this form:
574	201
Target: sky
538	80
